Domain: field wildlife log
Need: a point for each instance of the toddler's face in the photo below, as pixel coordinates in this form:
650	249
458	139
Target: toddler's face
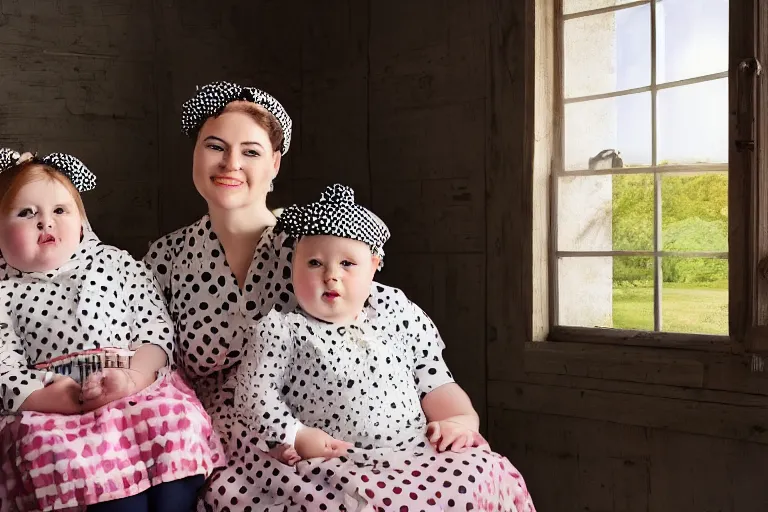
42	230
332	277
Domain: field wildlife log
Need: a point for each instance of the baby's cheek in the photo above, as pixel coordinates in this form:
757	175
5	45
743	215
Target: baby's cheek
16	241
304	288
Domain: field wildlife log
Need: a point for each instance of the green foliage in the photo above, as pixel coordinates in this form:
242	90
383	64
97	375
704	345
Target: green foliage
694	218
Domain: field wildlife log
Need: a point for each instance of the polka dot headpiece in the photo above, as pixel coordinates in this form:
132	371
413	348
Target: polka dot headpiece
75	170
8	158
336	214
211	100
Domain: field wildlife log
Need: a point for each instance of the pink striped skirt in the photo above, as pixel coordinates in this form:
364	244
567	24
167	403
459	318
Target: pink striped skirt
54	461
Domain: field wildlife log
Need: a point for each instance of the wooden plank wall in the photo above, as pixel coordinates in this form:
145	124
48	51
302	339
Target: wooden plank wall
426	108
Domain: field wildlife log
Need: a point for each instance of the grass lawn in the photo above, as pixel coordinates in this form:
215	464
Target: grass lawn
684	308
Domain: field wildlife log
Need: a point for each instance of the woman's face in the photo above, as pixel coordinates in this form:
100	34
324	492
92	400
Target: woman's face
233	163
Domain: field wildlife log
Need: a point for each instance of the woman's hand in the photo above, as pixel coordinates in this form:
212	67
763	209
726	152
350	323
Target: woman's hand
62	396
313	442
112	384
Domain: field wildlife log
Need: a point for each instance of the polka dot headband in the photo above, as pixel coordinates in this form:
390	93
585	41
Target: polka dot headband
8	158
75	170
211	99
336	214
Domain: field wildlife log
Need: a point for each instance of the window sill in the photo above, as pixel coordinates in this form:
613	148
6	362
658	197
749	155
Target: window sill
657	340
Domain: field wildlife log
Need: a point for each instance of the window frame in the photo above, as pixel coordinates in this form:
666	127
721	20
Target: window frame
747	186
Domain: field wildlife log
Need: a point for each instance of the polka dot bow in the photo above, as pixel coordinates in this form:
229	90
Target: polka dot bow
211	99
80	176
336	214
8	158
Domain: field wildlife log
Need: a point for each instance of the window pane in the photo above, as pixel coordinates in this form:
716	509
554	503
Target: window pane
691	38
605	213
633	212
694	295
633	293
622	124
693	123
606	292
608	52
694	212
584	213
572	6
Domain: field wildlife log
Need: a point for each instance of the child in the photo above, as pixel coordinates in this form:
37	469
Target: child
362	392
91	415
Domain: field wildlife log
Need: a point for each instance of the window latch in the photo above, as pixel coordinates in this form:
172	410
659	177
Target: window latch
749	70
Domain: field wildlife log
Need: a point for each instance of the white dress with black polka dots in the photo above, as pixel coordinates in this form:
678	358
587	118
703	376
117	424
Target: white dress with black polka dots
212	316
215	321
101	297
361	383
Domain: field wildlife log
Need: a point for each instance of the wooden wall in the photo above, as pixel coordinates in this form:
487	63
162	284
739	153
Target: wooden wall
425	107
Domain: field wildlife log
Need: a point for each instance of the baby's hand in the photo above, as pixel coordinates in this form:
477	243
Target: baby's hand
451	434
313	442
111	384
60	397
286	454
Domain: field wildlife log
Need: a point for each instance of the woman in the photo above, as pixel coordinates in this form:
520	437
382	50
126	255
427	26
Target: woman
224	273
227	270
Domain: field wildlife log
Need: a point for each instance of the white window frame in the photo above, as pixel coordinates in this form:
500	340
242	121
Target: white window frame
747	187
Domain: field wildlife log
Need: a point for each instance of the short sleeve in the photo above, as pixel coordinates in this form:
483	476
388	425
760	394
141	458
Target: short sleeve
430	370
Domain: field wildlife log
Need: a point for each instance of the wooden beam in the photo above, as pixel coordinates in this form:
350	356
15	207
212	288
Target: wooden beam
717	420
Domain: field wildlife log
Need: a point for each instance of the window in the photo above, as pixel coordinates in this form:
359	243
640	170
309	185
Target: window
640	180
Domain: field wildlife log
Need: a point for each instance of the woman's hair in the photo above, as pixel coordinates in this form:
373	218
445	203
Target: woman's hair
15	178
262	117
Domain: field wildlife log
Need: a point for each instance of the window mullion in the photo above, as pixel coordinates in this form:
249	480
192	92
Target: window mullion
657	203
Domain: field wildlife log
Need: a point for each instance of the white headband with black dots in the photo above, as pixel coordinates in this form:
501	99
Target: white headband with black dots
210	100
75	170
336	214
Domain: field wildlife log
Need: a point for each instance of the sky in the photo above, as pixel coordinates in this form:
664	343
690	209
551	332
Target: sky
692	122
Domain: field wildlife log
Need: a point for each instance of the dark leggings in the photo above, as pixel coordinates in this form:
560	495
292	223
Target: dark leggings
176	496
